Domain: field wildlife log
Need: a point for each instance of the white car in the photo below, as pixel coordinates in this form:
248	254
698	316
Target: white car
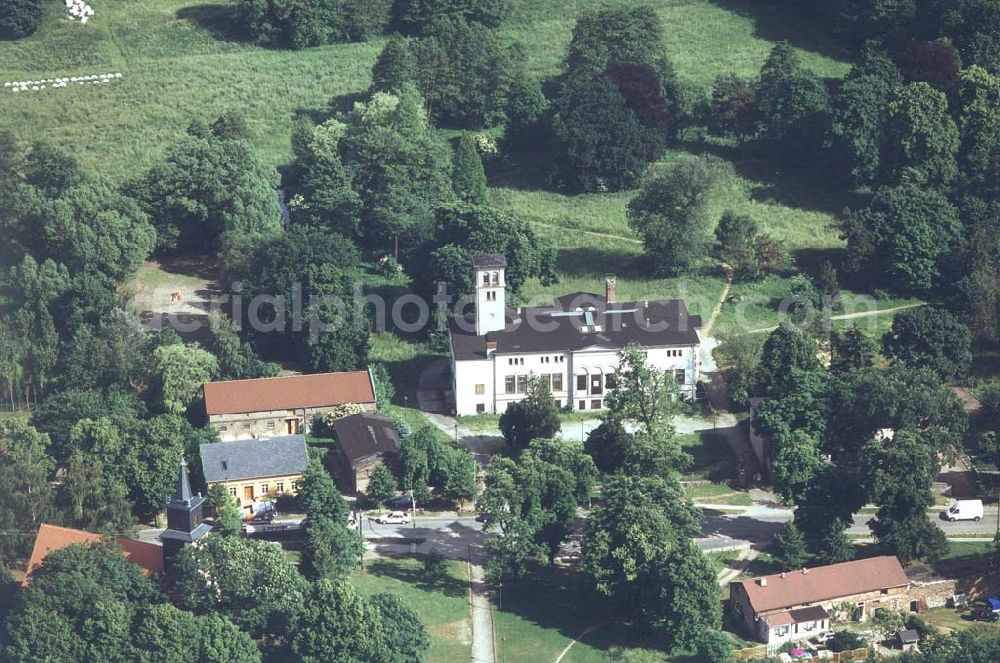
822	638
393	518
964	510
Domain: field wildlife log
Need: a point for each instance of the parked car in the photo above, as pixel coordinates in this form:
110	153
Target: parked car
263	512
393	518
484	517
822	637
982	613
401	502
964	510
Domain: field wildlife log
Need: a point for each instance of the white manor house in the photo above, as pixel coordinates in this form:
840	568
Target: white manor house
571	346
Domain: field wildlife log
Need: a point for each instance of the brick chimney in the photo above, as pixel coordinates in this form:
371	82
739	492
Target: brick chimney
610	283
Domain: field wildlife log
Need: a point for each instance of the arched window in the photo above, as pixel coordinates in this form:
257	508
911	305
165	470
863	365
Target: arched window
496	278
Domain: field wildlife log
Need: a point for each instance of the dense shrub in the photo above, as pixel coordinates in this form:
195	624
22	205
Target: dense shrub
19	18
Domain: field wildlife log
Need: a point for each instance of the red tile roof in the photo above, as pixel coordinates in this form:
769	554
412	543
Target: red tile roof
149	556
288	392
824	583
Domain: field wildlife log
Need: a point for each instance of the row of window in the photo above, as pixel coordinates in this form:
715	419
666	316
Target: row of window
554	359
518	384
491	295
495	278
675	353
265	488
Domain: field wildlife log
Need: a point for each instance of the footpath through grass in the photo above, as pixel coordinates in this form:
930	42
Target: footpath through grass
443	608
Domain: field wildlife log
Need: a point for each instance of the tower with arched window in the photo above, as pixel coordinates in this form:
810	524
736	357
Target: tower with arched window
490	292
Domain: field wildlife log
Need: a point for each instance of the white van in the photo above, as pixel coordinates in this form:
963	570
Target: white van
964	510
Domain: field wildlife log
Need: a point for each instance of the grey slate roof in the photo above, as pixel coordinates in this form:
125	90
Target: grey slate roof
580	320
489	260
251	459
361	436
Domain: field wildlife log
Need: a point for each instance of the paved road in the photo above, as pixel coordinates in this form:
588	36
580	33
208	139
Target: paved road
758	524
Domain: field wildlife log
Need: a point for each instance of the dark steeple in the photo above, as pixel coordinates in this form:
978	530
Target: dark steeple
184	525
183	493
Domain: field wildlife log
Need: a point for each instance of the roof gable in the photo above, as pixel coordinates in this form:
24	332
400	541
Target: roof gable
288	392
362	435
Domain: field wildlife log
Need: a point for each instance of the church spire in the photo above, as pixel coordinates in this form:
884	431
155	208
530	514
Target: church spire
183	493
184	525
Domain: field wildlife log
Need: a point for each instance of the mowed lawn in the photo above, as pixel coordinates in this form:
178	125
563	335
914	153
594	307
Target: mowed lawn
443	608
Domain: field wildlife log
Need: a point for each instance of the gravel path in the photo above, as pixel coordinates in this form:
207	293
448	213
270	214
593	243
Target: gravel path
483	645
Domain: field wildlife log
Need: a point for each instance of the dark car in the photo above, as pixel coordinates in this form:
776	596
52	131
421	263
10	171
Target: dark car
484	517
401	502
982	613
264	513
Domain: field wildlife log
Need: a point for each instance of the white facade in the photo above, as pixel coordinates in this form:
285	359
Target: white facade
580	378
490	300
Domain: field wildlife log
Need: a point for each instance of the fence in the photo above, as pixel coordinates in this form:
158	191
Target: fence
837	657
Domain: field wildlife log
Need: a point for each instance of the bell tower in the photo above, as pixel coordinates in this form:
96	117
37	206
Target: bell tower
184	525
491	298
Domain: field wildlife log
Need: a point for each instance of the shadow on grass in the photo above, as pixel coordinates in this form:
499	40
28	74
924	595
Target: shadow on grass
781	21
221	21
554	598
594	261
712	459
563	600
449	586
806	186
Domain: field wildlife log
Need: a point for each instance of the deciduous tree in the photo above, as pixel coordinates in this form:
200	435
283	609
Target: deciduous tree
534	416
671	215
930	337
921	138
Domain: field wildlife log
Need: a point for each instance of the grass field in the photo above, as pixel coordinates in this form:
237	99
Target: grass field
184	60
444	608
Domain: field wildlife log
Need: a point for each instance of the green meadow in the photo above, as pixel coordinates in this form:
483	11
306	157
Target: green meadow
182	61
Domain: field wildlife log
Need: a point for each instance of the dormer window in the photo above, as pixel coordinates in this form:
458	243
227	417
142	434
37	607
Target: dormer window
225	465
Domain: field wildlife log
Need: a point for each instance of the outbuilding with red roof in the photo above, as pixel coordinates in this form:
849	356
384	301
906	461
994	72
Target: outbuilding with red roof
273	407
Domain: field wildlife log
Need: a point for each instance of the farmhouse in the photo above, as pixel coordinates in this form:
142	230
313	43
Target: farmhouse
364	441
268	407
147	556
571	346
796	605
184	527
253	469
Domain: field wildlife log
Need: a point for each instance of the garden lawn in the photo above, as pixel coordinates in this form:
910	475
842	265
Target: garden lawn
712	458
443	609
541	613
